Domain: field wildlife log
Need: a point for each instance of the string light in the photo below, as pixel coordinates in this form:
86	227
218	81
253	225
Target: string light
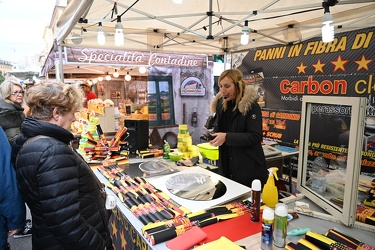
108	77
128	77
142	69
116	74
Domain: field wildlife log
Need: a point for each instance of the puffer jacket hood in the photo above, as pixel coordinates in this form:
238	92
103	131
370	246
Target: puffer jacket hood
250	96
32	127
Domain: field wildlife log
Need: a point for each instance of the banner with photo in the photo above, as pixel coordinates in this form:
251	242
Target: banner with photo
285	73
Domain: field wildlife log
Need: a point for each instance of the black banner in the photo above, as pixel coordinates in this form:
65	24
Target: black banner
345	67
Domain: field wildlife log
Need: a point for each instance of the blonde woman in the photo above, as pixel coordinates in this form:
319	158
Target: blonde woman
65	200
238	130
11	110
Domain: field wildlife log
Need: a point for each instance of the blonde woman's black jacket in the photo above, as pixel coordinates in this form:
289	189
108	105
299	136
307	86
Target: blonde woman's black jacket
243	140
11	118
67	208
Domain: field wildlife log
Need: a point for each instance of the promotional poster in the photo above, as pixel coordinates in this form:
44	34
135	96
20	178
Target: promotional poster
285	73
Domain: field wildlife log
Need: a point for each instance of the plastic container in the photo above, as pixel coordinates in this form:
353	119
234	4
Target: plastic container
256	187
208	151
270	195
267	228
281	225
318	179
166	150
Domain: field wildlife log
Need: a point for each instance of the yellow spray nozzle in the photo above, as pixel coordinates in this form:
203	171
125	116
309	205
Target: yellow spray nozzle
273	171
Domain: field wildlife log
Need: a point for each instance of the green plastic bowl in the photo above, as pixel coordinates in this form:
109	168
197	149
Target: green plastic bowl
175	156
208	151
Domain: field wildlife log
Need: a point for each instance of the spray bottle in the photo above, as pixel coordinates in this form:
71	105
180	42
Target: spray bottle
270	195
267	228
256	186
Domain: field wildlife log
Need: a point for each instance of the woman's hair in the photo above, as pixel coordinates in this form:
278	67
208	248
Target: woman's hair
6	88
43	97
236	76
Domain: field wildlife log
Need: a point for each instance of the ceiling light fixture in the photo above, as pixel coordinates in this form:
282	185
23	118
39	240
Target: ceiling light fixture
115	74
245	33
128	77
108	77
119	35
100	78
142	69
328	30
100	34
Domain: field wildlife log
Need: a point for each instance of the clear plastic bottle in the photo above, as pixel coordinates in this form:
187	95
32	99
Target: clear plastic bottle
318	179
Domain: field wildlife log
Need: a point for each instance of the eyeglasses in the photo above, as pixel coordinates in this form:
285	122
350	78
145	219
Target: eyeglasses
18	92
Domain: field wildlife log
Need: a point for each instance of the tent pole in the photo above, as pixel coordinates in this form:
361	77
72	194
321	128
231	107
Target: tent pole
61	64
210	20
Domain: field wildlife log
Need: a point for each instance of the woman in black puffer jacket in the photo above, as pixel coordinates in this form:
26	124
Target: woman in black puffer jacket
11	110
65	200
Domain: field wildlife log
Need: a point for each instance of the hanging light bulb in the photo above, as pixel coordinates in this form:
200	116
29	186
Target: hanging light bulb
128	77
94	81
328	33
116	74
245	33
328	30
100	35
108	77
142	69
100	78
119	35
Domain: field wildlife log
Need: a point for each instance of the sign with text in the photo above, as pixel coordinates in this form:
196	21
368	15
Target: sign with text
124	57
344	67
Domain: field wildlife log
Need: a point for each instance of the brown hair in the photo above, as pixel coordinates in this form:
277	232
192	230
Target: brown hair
236	76
43	97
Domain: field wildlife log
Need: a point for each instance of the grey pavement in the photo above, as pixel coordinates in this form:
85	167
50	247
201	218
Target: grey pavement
21	243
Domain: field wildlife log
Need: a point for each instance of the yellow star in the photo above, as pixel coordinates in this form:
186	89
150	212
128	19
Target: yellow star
318	66
339	64
363	63
123	240
114	228
301	68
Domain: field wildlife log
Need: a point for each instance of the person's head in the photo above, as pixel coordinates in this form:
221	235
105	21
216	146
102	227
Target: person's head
12	91
54	103
86	87
231	86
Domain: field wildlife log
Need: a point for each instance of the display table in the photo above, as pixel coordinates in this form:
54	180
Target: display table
126	229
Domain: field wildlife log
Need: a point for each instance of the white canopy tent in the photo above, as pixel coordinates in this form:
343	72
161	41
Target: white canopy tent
206	27
197	26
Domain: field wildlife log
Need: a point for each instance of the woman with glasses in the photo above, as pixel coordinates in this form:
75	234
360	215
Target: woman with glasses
11	111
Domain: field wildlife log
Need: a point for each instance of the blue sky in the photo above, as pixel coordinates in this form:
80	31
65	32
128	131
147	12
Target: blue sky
22	24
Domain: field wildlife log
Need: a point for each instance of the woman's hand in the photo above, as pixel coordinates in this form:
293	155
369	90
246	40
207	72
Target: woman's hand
219	139
12	232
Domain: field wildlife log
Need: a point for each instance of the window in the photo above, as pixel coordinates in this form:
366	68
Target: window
160	97
319	128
